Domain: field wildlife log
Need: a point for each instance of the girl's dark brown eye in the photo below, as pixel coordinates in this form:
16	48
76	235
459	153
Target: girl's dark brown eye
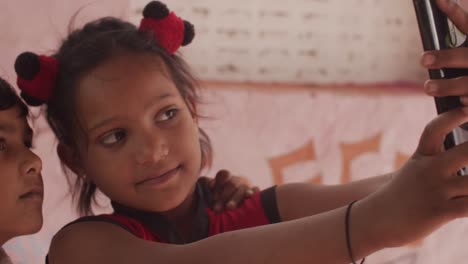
113	137
167	115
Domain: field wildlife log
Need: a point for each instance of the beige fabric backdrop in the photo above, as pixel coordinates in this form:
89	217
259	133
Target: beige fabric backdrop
271	133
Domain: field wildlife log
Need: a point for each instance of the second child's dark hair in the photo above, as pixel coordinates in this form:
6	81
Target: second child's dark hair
9	99
81	52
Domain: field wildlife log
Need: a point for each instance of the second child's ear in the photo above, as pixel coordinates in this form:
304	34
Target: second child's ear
70	159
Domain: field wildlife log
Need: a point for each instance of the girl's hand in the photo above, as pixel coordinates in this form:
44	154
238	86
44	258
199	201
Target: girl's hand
449	58
424	194
228	190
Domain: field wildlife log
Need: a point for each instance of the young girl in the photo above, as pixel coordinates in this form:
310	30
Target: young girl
21	190
123	107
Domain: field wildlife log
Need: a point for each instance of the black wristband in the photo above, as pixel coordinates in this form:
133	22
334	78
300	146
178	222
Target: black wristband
348	238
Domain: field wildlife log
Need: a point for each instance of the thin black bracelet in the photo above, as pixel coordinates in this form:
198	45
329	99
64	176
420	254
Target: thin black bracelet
348	239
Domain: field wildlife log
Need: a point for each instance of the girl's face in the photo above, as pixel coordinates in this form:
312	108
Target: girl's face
142	148
21	188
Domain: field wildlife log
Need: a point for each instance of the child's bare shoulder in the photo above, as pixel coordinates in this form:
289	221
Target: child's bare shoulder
82	241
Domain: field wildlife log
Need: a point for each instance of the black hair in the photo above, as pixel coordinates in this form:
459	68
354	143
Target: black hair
9	99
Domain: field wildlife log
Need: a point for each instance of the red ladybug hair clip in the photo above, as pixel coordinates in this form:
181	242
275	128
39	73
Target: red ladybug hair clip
36	77
168	29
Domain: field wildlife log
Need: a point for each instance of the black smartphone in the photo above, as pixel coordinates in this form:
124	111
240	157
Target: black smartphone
438	33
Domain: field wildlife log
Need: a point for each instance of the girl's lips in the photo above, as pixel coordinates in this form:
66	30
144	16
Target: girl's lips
35	193
161	178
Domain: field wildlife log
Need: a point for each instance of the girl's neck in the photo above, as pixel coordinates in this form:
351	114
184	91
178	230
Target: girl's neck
183	216
184	210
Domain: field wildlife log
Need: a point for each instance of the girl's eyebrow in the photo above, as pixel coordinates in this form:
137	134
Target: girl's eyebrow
156	99
101	123
152	102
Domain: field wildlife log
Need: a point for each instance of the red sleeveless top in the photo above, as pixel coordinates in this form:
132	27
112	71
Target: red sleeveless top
260	209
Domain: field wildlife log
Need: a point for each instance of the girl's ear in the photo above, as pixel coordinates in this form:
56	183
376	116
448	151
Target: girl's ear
70	159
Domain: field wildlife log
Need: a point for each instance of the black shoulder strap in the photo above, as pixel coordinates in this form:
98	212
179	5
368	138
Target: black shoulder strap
270	204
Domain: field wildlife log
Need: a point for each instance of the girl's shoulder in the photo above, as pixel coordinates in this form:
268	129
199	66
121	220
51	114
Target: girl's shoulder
98	237
4	259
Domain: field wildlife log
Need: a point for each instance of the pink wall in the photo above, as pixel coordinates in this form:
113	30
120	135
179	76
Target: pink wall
271	134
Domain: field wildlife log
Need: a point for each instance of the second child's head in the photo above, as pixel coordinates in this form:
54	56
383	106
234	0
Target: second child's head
124	111
21	188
